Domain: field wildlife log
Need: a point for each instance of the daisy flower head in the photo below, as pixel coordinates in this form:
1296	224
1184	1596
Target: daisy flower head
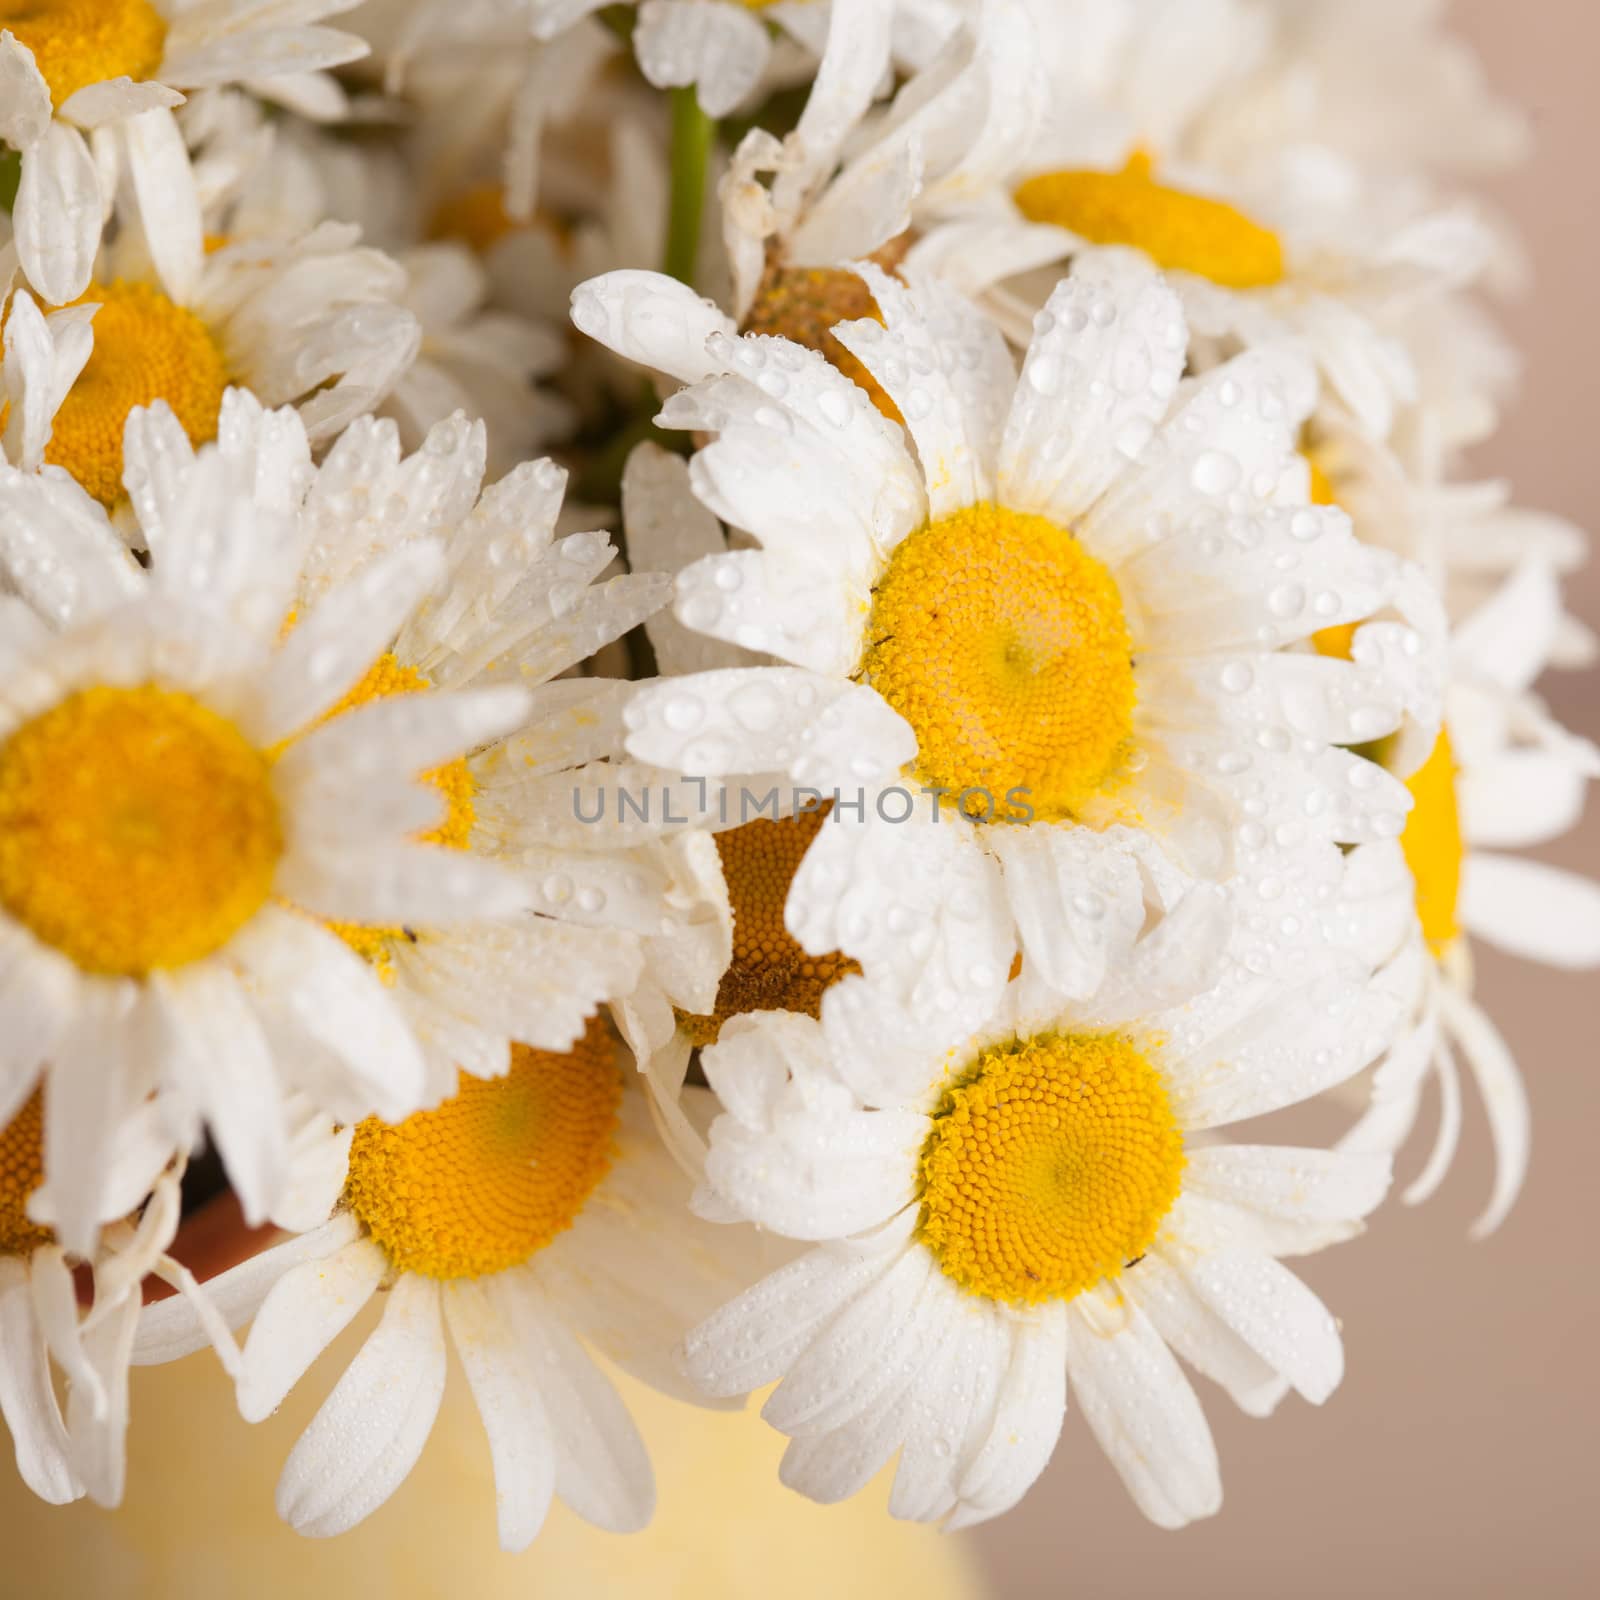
262	883
536	1218
88	92
311	318
1048	612
1289	240
1049	1207
1503	776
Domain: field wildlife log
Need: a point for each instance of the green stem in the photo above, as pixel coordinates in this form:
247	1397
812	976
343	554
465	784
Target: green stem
692	135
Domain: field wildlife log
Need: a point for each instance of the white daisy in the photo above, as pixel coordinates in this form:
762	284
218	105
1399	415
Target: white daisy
311	319
112	70
1503	777
1264	240
161	843
41	1320
943	631
1044	1208
524	1215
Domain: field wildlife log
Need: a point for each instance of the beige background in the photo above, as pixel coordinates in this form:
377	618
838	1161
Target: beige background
1460	1457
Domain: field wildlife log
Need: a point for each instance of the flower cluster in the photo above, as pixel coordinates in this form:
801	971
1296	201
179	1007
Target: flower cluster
1051	696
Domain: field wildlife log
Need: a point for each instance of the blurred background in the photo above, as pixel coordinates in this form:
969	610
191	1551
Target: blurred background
1459	1456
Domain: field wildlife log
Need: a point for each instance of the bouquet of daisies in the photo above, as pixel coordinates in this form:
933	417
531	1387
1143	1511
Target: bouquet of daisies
1047	696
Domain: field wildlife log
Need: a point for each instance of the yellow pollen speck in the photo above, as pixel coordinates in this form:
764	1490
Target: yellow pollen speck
79	42
769	971
21	1172
1050	1167
1179	231
453	780
138	829
146	348
1433	846
493	1175
804	303
1003	643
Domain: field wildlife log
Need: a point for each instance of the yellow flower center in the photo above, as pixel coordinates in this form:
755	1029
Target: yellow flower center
21	1172
138	829
1003	643
1433	847
489	1177
453	780
1179	231
803	304
146	348
1050	1166
769	971
79	42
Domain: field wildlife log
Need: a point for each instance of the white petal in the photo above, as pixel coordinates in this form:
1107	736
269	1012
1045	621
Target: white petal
1505	1101
1027	1420
113	99
667	530
27	1399
305	1311
858	1355
367	1435
513	1415
602	1469
331	649
168	205
335	997
83	1107
1201	1337
651	319
755	1339
947	370
57	214
1140	1407
757	720
1523	798
1275	1314
215	1056
1067	437
719	48
1508	639
1532	910
169	1329
1317	1185
24	96
1230	441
